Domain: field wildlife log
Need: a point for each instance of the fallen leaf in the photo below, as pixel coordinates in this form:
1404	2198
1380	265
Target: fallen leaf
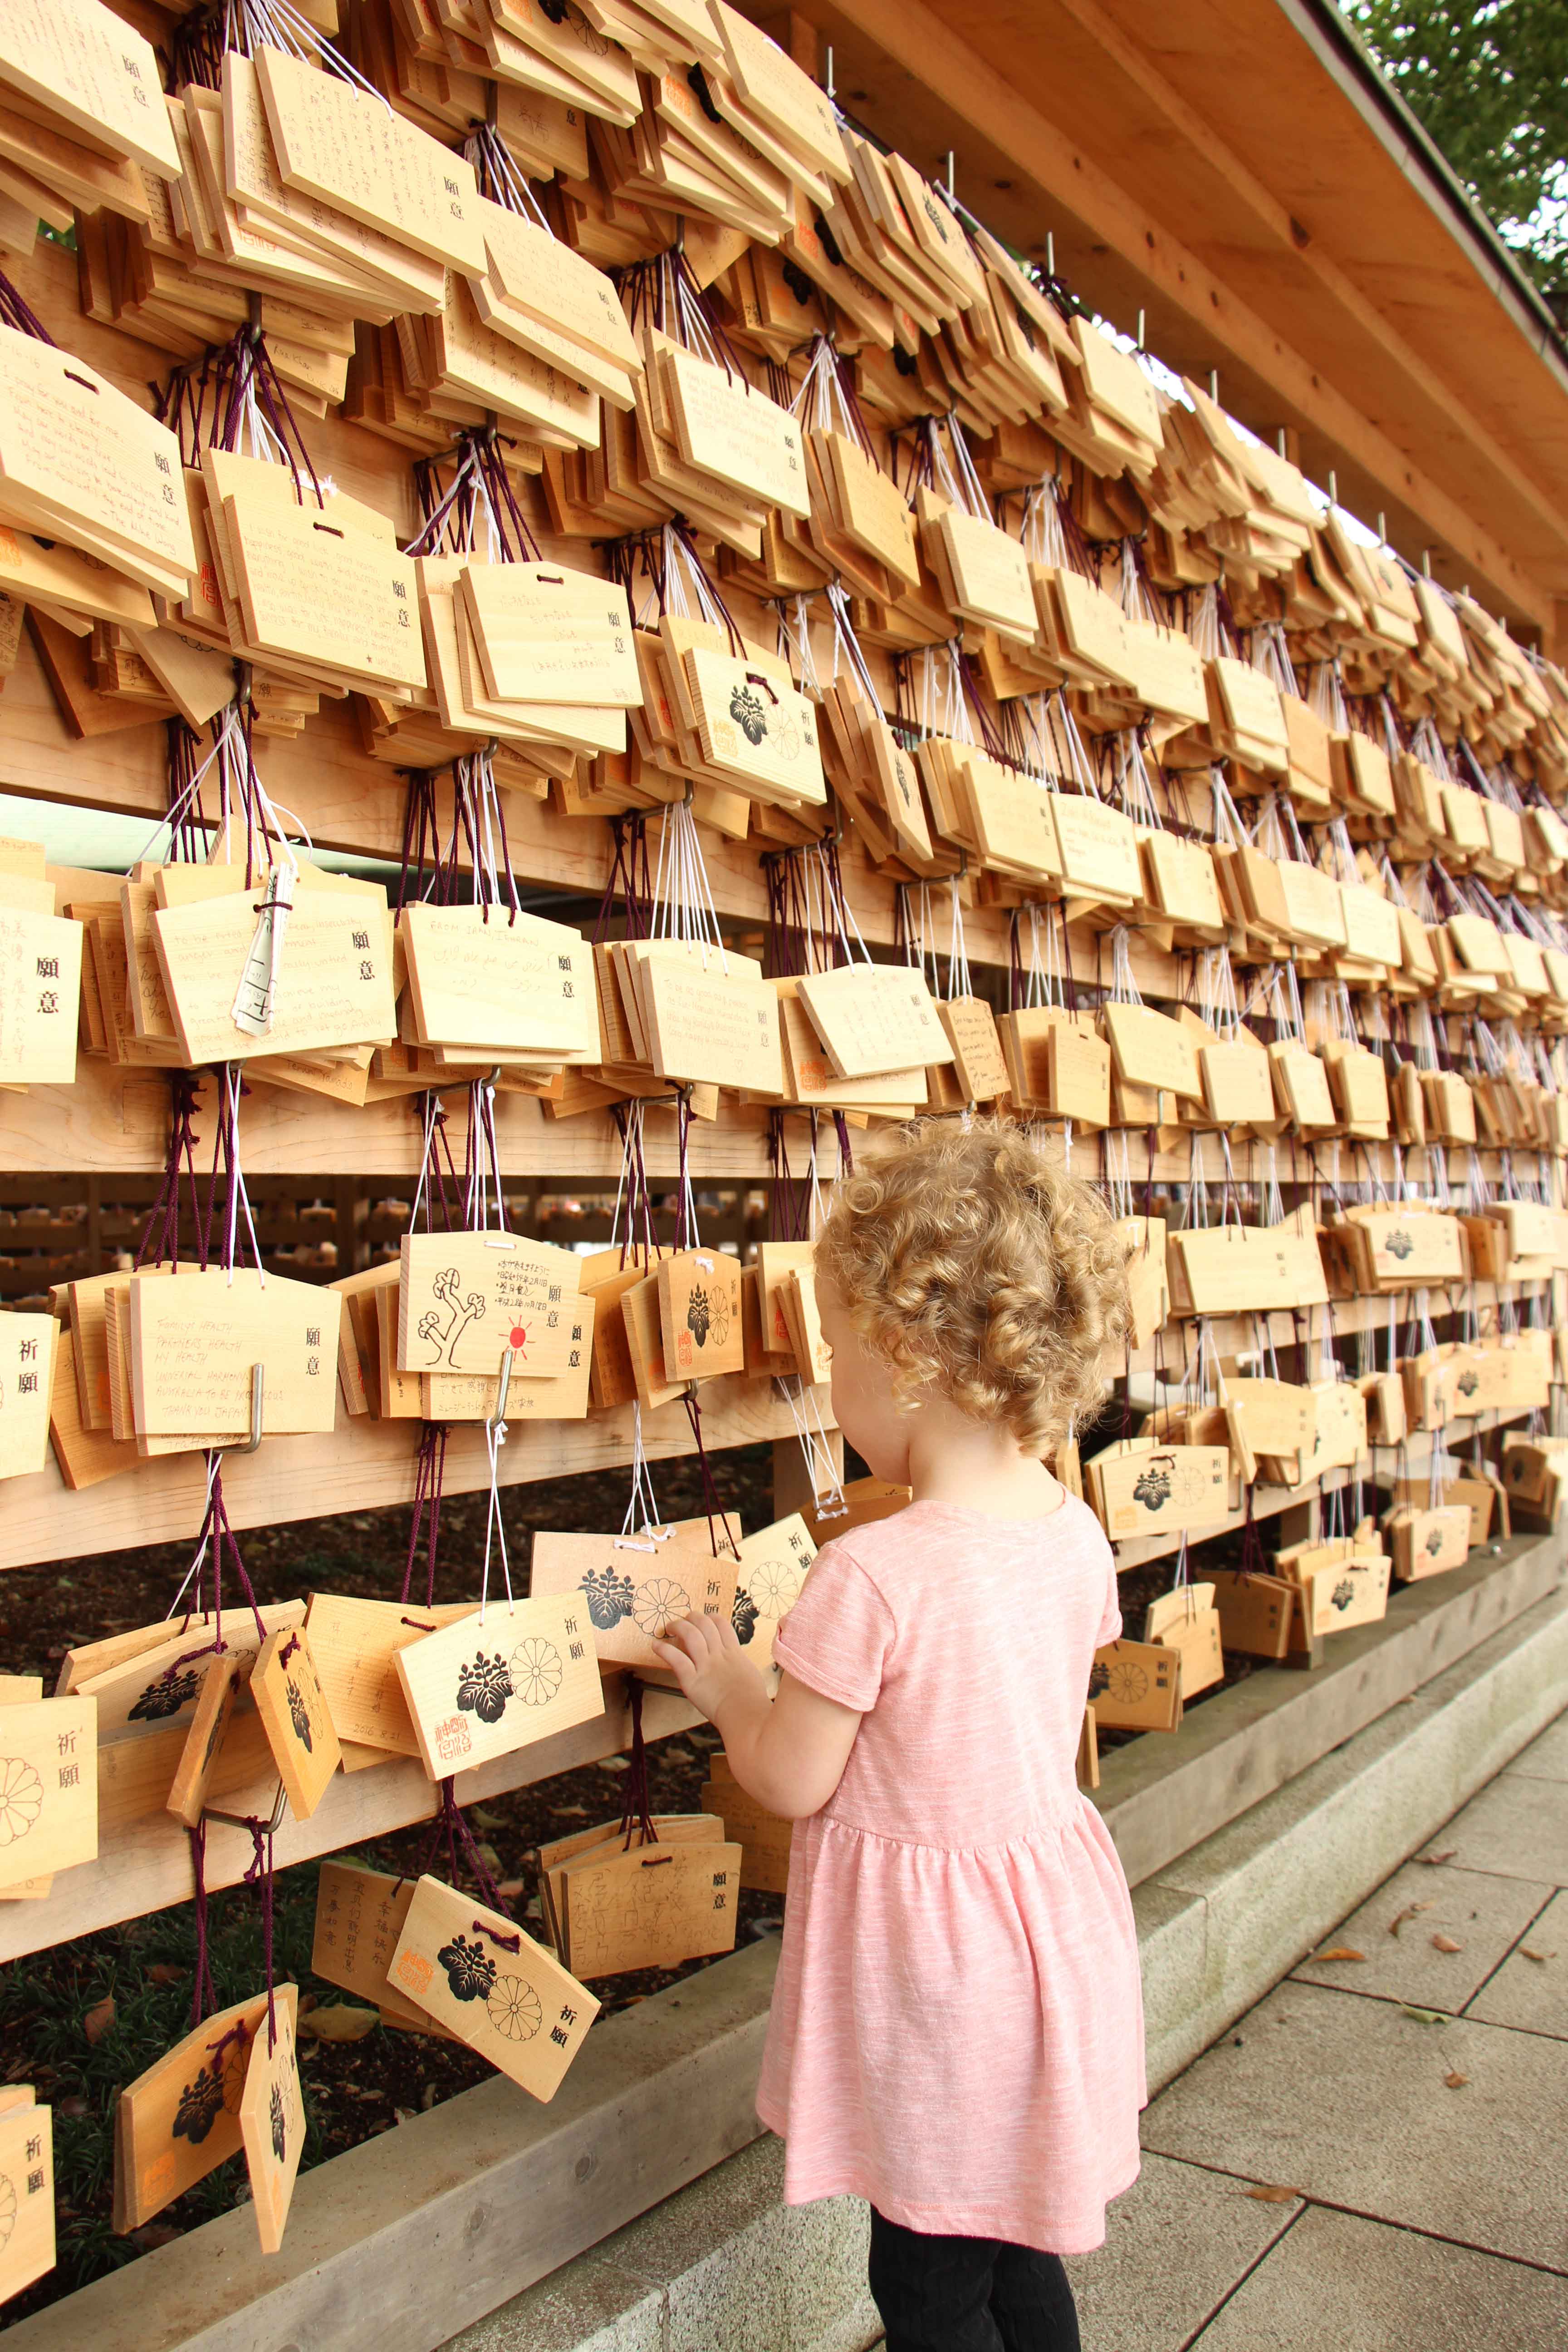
1425	2016
1445	1944
1540	1959
509	1888
1409	1912
1266	2193
1432	1860
1339	1952
1455	2082
165	1972
339	2022
99	2019
486	1820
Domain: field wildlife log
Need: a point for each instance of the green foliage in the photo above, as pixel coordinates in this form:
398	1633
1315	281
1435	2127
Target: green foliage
1490	84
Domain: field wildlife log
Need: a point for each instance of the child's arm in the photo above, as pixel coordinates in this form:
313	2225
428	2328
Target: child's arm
790	1752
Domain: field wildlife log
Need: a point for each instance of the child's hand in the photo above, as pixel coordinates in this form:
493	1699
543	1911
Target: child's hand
710	1667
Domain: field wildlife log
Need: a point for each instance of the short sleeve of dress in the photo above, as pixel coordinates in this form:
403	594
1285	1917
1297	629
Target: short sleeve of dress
1110	1623
836	1637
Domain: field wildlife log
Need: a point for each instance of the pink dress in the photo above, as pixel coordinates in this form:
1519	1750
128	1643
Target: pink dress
957	2029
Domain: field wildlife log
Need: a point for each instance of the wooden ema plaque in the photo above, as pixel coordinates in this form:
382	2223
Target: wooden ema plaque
500	1679
349	149
636	1586
709	1026
546	634
354	1644
204	1739
728	428
501	983
875	1018
1353	1591
180	2120
1243	1269
160	1680
48	1787
464	1299
359	1918
763	1838
770	1574
1428	1543
333	985
272	2116
699	1315
491	1986
27	1345
1161	1489
1151	1050
292	1706
40	988
194	1340
26	2196
756	730
650	1907
1136	1686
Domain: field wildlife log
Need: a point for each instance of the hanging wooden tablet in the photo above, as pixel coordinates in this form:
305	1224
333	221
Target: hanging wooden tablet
711	1026
272	2116
492	1986
1255	1611
40	987
500	1679
699	1315
332	985
464	1299
1243	1269
763	1838
1136	1686
27	2197
204	1739
1352	1591
1426	1543
652	1907
636	1586
770	1574
498	983
27	1345
289	1698
359	1918
48	1787
180	2119
353	1643
1160	1490
874	1018
754	729
1153	1050
1186	1620
195	1340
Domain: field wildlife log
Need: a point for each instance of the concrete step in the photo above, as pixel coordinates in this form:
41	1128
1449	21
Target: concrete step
724	2266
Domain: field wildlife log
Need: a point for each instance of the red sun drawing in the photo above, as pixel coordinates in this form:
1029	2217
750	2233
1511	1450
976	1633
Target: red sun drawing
520	1335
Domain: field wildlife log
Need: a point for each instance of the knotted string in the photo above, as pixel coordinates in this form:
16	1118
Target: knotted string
261	1876
160	1239
637	1806
204	1998
451	1830
428	1478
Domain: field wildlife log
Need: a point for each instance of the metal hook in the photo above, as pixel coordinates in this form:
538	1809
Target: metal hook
251	1444
496	1421
244	1821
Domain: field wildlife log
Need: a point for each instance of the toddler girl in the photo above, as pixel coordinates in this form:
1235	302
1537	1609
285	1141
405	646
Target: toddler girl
957	2029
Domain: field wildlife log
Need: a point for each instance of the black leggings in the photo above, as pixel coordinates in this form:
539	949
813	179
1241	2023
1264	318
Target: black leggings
968	2295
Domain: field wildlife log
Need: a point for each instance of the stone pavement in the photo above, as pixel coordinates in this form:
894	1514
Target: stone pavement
1405	2109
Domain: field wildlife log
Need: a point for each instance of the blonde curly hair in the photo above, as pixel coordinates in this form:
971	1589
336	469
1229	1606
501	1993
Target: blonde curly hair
972	1265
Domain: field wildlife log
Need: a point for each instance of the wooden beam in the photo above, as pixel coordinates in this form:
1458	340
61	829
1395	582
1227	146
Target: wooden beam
364	1465
145	1856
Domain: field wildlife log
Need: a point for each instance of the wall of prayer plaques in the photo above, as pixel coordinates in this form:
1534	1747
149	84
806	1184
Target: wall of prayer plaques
769	664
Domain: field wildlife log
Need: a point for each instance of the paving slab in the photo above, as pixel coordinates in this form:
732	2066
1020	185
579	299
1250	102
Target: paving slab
1174	2247
1482	1914
1337	2284
1532	1995
1545	1758
1517	1827
1346	2099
